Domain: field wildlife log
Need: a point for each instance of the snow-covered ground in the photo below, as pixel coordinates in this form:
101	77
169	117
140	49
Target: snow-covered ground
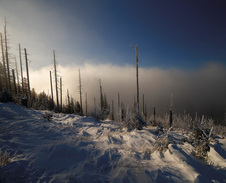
70	148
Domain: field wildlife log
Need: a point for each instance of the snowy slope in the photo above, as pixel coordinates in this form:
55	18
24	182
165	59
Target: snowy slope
70	148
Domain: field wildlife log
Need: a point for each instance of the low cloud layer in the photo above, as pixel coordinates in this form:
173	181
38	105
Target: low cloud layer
202	90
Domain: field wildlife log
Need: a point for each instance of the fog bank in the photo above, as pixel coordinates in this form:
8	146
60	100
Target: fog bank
202	90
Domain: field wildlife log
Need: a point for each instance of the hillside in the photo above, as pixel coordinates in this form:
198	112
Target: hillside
71	148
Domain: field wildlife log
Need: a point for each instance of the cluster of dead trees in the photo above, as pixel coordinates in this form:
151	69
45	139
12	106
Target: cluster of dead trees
15	86
14	78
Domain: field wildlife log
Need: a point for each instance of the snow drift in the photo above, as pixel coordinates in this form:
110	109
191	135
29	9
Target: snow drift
71	148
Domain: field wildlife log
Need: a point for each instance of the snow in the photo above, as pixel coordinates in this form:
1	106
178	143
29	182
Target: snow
71	148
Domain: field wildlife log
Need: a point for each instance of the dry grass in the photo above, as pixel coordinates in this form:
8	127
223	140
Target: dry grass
4	158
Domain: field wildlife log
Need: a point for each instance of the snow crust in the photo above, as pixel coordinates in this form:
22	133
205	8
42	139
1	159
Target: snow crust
71	148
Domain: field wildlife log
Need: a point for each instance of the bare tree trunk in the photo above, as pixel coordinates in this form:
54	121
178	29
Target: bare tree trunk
95	107
3	61
17	76
143	106
51	85
61	104
28	80
21	70
7	58
80	93
137	79
14	82
55	72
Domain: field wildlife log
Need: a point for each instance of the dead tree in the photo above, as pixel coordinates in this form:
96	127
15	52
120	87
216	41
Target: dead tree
143	106
51	87
137	79
21	70
55	73
7	57
95	107
80	93
17	76
61	104
14	82
3	61
28	80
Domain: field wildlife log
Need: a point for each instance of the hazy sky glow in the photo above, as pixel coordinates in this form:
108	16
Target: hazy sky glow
182	34
181	44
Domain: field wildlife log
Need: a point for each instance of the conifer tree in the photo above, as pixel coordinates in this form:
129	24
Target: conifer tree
119	108
77	107
171	118
123	112
95	107
86	105
69	103
112	111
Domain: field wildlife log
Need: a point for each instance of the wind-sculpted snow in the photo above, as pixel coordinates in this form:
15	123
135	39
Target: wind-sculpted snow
71	148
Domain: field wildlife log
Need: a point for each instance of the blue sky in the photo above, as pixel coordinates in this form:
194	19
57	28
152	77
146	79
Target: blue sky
169	34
